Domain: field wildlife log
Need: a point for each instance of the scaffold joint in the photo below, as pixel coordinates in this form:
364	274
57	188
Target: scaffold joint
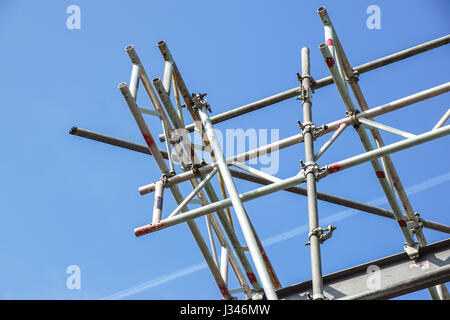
415	225
300	79
353	118
319	232
165	179
259	295
412	251
196	166
312	167
354	78
312	128
199	101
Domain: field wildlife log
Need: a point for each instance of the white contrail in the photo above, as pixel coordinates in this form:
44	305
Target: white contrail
156	282
275	239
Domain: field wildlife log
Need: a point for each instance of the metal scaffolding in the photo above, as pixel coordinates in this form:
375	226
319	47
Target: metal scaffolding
180	154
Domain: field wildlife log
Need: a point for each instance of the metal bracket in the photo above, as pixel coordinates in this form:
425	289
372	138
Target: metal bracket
354	78
313	167
412	225
194	167
317	297
199	101
319	232
306	95
257	295
412	252
312	128
300	78
415	225
175	136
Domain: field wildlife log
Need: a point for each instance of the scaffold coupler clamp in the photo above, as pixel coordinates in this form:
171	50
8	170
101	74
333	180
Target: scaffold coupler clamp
313	167
319	232
196	166
257	295
199	101
165	179
176	136
312	128
412	251
354	78
353	118
315	297
300	79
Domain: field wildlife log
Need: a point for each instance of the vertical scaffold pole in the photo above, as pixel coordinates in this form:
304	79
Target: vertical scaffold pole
316	264
158	202
243	219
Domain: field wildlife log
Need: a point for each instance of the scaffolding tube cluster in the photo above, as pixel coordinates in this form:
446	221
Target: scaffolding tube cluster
261	281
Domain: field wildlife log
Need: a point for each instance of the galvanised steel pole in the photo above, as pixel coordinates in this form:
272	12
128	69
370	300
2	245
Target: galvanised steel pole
197	120
243	219
353	82
88	134
411	246
391	148
211	194
152	95
193	192
327	144
310	164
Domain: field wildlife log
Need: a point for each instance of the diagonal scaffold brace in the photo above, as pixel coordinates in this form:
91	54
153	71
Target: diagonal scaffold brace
200	104
388	177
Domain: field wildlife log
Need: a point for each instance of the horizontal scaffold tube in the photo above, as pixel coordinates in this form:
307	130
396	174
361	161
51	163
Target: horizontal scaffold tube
292	181
253	178
339	201
298	138
325	81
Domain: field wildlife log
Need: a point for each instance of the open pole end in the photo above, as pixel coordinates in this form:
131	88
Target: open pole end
73	130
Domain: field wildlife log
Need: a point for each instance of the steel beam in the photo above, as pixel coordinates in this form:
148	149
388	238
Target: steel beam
313	214
394	276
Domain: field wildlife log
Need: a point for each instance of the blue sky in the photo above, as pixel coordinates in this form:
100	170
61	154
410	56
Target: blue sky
70	201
